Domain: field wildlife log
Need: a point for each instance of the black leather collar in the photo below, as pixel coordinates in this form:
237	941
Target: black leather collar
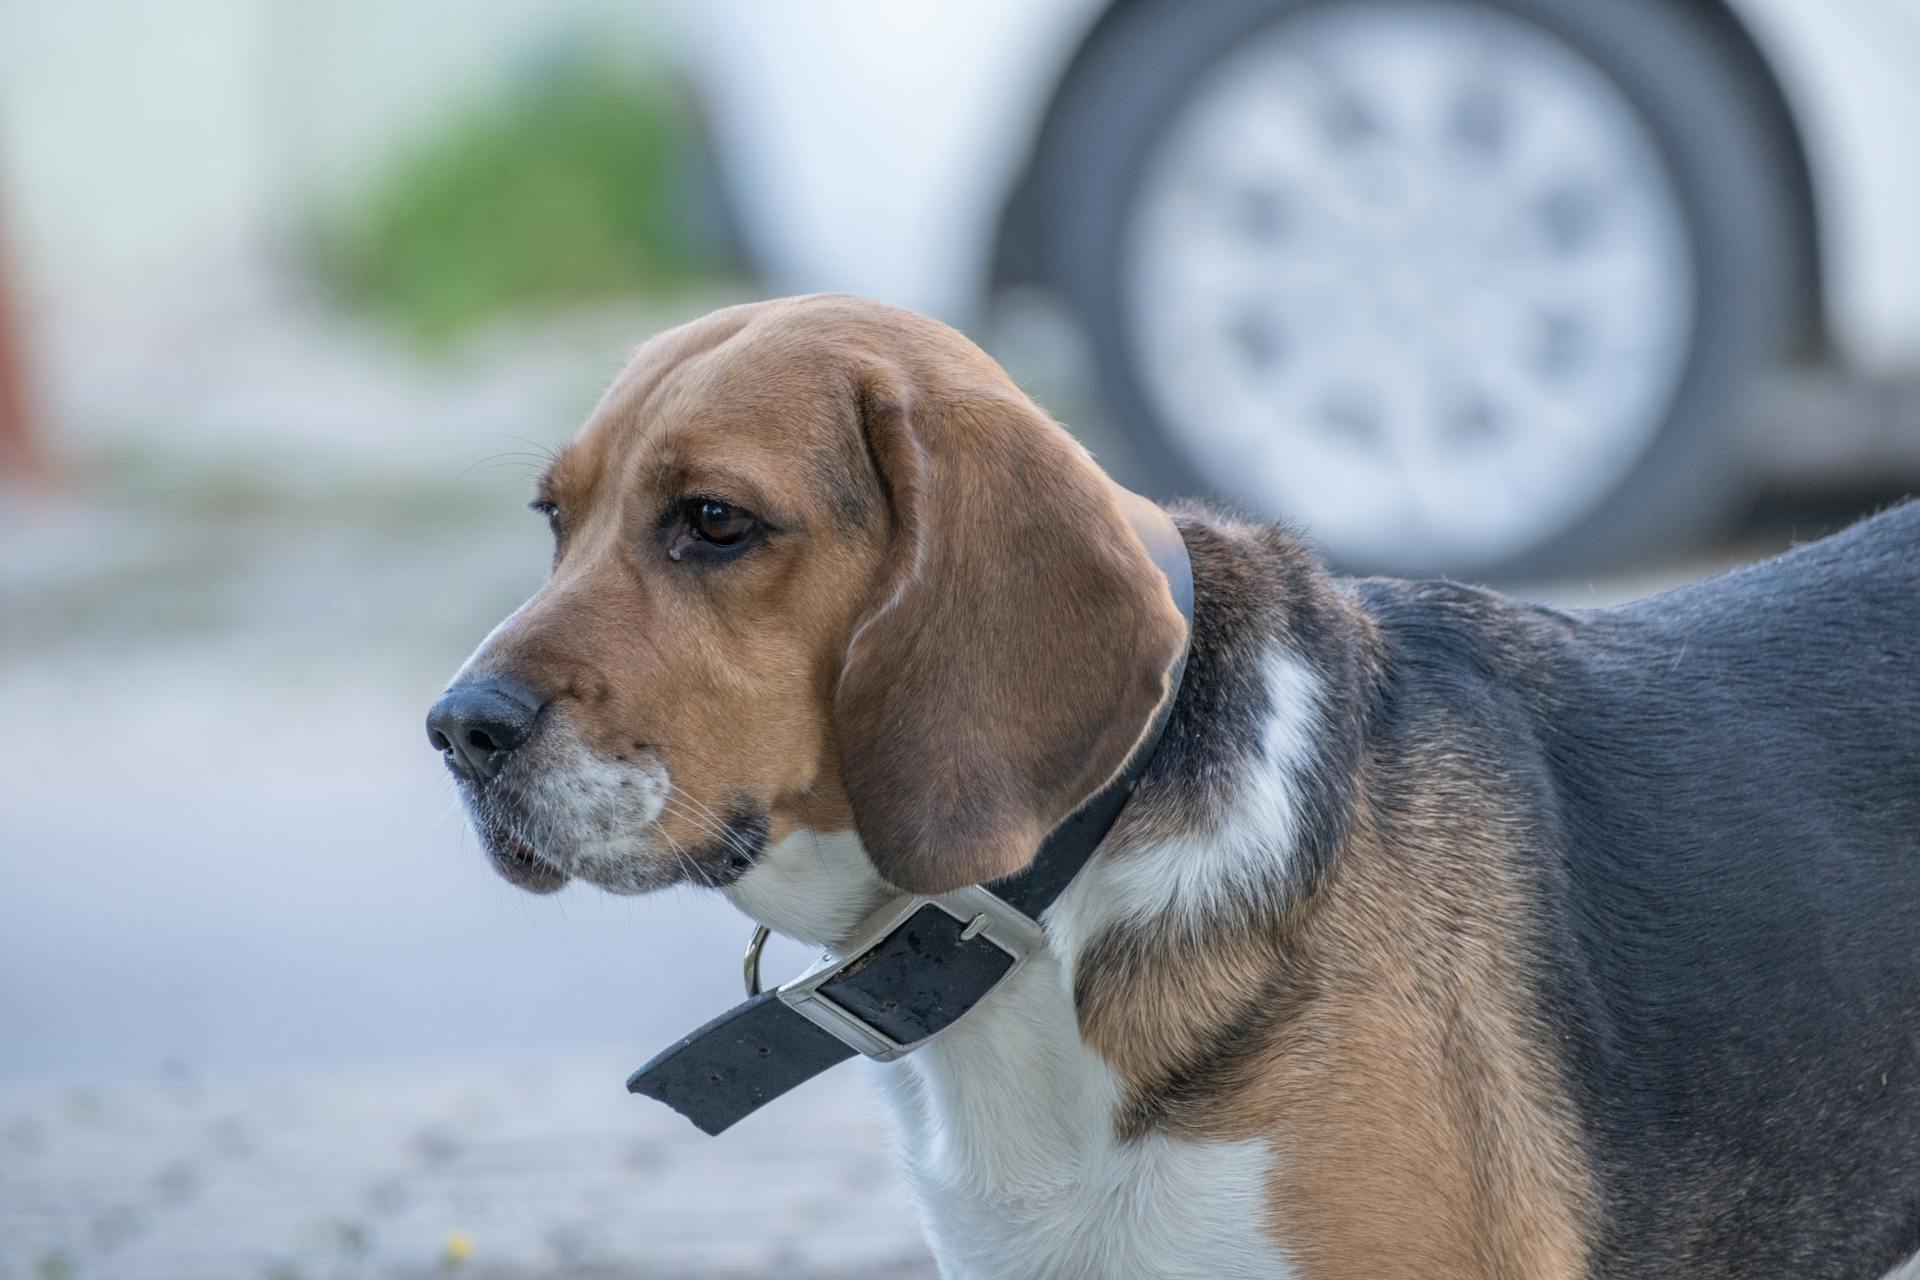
918	964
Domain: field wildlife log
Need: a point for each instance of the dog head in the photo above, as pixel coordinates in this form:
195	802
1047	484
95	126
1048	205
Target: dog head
818	564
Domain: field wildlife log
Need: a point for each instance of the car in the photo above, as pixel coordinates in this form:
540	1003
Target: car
1468	286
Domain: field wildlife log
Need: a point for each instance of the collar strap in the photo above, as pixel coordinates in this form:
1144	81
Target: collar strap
915	966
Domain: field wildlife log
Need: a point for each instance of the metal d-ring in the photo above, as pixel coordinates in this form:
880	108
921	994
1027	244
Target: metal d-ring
750	963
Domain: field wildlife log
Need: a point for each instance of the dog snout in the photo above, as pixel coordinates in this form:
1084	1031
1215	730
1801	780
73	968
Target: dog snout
479	722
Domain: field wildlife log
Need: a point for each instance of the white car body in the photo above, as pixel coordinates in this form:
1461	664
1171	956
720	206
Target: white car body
871	146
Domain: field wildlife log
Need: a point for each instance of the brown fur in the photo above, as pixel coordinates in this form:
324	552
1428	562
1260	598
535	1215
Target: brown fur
1416	1113
1376	1034
1008	540
925	519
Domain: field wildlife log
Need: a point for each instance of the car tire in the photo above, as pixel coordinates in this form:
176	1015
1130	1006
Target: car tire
1730	179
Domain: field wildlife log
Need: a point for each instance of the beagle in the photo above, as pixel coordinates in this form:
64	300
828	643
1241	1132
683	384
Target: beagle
1434	934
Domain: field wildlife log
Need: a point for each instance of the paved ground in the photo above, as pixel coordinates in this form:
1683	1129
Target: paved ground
263	1010
266	1011
544	1168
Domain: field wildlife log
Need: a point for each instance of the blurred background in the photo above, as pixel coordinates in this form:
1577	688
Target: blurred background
1583	300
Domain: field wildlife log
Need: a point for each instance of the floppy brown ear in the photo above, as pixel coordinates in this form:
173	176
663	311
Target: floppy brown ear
1016	648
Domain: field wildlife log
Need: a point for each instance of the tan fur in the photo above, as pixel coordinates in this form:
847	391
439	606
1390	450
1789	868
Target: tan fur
927	520
725	675
1415	1116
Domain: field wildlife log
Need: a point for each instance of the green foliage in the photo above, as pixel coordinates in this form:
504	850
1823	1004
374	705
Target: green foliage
576	186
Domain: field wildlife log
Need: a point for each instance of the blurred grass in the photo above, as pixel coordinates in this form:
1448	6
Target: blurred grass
579	184
146	479
164	548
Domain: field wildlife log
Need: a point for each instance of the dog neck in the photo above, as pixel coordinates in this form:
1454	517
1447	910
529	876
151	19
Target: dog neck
1123	1103
1238	814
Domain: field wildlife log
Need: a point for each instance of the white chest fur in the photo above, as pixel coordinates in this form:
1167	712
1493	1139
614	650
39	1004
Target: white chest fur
1006	1121
1006	1127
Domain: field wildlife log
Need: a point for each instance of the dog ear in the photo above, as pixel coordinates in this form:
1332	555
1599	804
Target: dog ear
1015	651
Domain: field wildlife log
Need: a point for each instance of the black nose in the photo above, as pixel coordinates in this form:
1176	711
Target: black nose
479	721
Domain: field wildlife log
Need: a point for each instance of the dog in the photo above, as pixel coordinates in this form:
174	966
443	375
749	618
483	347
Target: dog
1441	935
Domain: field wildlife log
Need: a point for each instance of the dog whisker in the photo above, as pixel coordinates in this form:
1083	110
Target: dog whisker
546	452
496	460
687	863
705	819
691	809
713	818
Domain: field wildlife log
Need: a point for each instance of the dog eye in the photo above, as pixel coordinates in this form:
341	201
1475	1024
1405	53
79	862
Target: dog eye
708	529
548	509
719	523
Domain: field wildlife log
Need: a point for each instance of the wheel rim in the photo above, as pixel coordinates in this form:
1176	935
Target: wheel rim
1413	273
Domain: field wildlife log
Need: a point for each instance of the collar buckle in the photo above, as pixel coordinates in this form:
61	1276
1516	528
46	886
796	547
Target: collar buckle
831	996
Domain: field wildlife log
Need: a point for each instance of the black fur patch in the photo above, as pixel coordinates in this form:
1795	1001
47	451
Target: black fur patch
734	853
1718	792
1257	588
1724	783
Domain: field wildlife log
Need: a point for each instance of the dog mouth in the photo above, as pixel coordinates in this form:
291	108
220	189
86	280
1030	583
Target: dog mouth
543	826
513	856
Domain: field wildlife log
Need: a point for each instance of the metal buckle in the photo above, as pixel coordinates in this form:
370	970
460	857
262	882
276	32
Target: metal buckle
984	914
750	962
